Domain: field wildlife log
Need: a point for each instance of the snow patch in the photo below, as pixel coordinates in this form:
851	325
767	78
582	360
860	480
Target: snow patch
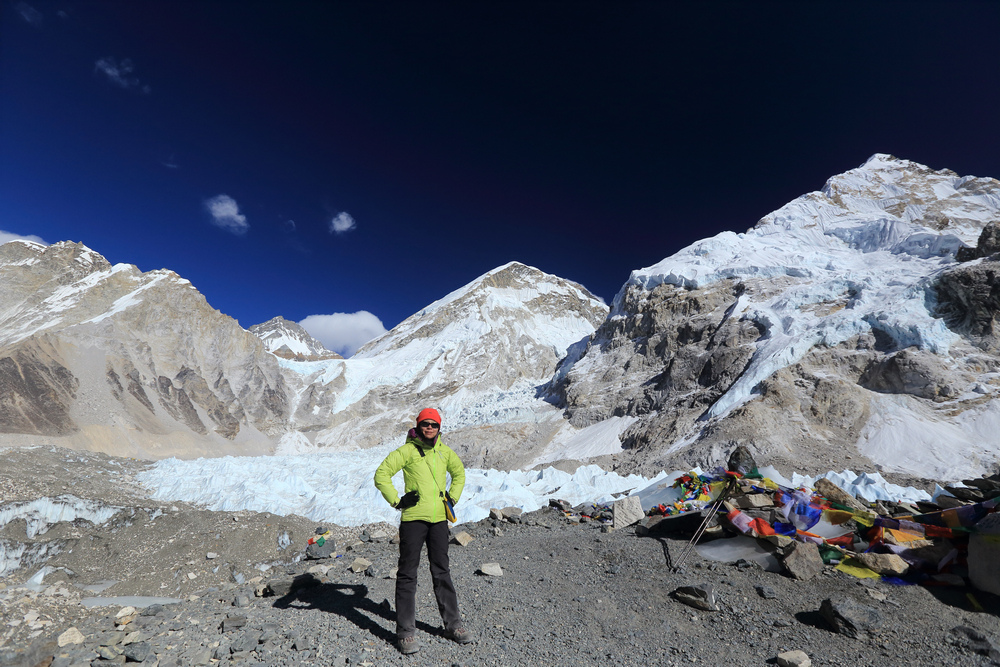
594	440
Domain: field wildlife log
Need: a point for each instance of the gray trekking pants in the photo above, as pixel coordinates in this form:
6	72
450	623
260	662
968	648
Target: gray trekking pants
413	535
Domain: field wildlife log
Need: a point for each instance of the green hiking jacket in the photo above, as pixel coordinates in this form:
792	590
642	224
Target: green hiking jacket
423	474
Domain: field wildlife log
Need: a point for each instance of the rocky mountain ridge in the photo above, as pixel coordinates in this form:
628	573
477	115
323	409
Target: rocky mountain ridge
107	358
853	327
479	354
839	331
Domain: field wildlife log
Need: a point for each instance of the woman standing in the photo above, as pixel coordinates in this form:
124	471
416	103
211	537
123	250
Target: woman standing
424	460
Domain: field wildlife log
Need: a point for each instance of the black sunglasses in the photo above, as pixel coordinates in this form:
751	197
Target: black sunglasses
428	425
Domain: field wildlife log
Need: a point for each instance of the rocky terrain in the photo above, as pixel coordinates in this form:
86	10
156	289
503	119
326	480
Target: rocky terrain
570	592
855	327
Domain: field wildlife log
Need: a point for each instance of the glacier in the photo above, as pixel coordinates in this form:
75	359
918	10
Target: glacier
337	486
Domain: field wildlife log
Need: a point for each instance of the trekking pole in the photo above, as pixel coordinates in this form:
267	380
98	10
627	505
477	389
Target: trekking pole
713	510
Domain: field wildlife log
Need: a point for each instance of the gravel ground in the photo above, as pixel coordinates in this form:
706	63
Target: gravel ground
570	594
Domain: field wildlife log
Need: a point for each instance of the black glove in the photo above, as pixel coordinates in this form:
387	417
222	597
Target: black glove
409	499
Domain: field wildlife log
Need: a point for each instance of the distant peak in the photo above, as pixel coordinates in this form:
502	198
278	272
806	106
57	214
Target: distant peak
288	339
276	321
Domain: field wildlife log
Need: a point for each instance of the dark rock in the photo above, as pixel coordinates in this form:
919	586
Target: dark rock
701	596
989	240
318	552
372	571
964	493
137	651
283	586
850	618
948	502
766	592
984	484
247	641
741	461
909	371
108	652
969	301
926	506
231	623
965	254
117	660
153	610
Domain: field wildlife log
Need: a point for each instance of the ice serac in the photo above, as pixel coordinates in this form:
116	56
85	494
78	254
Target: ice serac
108	358
288	340
479	354
840	326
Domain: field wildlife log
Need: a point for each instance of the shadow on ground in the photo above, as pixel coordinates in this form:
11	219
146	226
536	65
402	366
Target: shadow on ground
967	599
350	601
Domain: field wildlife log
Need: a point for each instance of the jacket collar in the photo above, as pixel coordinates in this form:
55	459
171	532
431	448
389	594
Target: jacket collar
415	438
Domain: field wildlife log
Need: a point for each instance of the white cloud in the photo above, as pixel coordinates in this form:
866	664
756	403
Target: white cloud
344	333
11	236
120	73
29	13
226	214
342	222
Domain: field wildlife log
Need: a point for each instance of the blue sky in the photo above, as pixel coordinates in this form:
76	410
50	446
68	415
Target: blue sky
310	159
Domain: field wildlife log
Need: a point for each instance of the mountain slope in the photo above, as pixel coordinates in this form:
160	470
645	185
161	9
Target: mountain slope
478	354
108	358
818	336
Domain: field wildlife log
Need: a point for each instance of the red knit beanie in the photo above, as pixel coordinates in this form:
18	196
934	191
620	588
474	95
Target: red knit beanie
429	413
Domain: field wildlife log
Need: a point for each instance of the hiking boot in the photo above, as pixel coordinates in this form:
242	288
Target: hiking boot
460	635
408	645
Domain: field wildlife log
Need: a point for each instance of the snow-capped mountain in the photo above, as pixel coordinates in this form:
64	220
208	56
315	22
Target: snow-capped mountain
855	326
479	354
108	358
289	340
834	332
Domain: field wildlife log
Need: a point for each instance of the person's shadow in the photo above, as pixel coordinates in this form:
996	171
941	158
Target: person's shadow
348	600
